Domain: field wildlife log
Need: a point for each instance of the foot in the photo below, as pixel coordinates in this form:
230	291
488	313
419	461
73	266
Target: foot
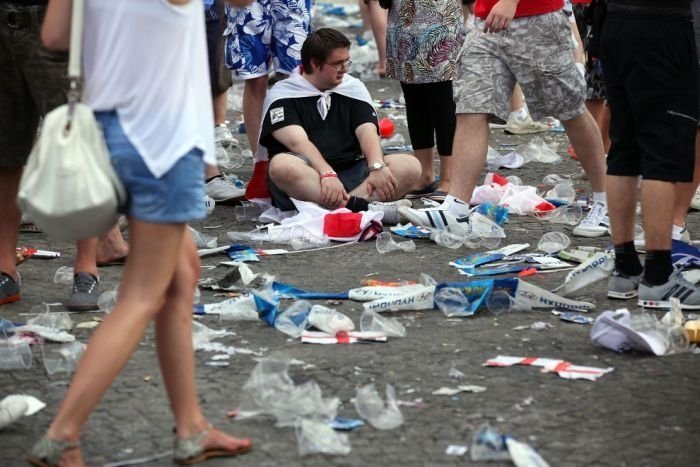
390	210
206	444
524	126
86	291
223	135
623	286
434	218
595	223
48	453
9	289
224	191
659	296
423	191
695	202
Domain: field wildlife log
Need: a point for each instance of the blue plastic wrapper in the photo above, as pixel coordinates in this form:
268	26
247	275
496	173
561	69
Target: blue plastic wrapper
345	424
289	291
575	318
267	310
411	231
477	259
242	253
498	214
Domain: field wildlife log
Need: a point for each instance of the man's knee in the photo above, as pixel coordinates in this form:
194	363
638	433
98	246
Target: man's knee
256	86
285	169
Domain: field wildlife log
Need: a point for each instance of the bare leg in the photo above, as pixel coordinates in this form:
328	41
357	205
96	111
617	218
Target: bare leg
427	163
111	246
406	170
445	173
601	114
364	13
85	259
220	106
622	201
469	154
254	93
11	215
378	17
685	191
584	136
657	211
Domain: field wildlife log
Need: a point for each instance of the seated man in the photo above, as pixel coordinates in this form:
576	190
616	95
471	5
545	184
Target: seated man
320	130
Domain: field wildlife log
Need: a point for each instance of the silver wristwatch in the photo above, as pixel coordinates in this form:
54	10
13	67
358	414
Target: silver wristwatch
377	166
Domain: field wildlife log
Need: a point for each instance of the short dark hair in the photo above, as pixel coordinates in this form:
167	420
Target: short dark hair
320	44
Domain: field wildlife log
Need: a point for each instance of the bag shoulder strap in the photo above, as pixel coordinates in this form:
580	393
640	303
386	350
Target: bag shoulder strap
76	39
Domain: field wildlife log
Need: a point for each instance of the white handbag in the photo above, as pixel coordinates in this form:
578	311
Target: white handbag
69	188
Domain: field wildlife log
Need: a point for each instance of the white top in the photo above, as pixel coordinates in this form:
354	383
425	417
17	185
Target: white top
147	59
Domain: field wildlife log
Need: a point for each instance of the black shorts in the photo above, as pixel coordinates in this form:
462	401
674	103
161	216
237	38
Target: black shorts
219	75
430	115
350	176
651	73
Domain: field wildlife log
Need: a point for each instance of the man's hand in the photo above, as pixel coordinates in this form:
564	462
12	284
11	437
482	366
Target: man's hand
501	16
333	192
382	183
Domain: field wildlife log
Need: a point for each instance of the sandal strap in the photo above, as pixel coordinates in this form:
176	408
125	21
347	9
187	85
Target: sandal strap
49	450
187	448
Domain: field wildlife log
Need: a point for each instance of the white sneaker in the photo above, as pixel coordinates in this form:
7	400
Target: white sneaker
434	218
595	223
223	135
209	204
390	210
524	126
224	191
695	202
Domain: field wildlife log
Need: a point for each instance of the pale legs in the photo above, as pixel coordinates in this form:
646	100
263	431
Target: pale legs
601	114
469	154
685	191
378	19
427	162
158	284
300	181
220	103
254	92
11	215
584	137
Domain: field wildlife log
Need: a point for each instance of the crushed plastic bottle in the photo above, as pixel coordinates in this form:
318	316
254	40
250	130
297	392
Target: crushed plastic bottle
380	414
329	320
371	321
315	437
385	244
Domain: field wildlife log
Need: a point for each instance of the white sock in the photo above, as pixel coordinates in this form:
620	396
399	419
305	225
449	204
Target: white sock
520	114
677	231
455	206
599	197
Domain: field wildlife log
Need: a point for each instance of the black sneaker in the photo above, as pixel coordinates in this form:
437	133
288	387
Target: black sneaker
86	291
9	289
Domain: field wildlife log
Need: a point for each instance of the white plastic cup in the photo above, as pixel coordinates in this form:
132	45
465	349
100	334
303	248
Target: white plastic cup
15	356
553	242
499	301
62	358
371	321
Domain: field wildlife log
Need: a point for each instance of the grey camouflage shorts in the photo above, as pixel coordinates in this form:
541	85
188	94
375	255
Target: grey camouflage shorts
535	51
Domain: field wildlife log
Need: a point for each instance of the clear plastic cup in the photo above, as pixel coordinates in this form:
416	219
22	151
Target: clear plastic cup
553	242
371	321
62	358
248	211
15	356
385	244
63	275
569	214
55	320
499	301
452	302
451	237
107	300
514	180
303	239
563	191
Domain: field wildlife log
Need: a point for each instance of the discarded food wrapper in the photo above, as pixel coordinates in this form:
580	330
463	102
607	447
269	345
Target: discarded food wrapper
352	337
410	231
563	368
523	455
445	391
572	317
420	298
600	266
242	253
345	424
316	437
456	450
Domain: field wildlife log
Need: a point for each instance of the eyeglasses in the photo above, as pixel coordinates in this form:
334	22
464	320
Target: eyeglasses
341	66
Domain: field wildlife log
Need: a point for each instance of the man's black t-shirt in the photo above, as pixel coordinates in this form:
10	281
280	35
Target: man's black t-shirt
334	137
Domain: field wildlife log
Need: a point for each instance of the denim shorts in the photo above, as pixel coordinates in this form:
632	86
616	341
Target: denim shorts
175	198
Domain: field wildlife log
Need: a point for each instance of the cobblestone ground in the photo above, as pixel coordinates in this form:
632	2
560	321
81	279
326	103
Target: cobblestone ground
644	413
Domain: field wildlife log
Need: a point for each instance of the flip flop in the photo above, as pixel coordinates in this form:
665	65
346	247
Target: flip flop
188	451
115	262
423	191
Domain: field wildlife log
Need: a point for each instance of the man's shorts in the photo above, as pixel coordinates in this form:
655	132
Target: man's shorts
651	73
536	52
695	5
351	177
174	198
219	74
267	35
32	81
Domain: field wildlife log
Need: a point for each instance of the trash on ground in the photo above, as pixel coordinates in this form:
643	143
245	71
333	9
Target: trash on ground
488	444
571	317
382	415
202	335
446	391
553	242
317	437
536	326
54	320
63	275
329	320
237	308
410	231
455	373
343	337
536	150
693	329
49	334
386	244
622	331
420	298
456	450
373	322
16	406
294	320
62	358
202	240
270	390
523	455
563	368
599	267
345	424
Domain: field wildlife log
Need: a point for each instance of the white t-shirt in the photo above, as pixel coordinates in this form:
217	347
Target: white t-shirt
147	59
